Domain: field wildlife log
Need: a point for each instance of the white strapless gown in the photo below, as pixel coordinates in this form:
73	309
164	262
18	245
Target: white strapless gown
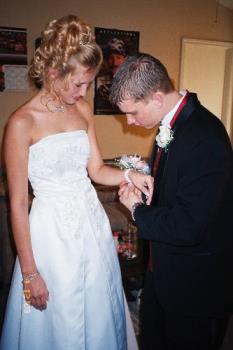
75	253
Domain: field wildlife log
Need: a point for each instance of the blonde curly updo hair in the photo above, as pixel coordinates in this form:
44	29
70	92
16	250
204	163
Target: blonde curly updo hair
64	43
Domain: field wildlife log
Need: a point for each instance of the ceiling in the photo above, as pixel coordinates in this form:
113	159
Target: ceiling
226	3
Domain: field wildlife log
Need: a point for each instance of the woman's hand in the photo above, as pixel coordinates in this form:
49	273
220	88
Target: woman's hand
145	183
36	293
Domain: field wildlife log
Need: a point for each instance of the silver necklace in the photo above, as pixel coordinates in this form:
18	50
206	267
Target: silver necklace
51	104
59	109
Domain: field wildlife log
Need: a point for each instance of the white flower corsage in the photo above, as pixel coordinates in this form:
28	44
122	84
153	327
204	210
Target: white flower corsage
133	162
165	136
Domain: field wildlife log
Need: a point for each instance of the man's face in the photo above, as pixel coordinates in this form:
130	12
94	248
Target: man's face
141	113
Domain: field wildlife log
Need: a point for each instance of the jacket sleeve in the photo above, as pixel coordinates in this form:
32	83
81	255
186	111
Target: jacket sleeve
202	188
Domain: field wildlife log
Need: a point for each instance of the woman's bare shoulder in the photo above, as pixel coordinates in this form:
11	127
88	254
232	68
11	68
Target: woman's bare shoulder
20	121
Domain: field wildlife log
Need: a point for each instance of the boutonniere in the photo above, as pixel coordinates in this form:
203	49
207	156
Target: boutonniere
165	136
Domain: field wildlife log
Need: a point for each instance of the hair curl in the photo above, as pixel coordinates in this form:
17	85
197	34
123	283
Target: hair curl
64	43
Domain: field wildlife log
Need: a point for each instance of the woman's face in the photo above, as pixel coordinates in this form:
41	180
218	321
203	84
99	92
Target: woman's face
75	85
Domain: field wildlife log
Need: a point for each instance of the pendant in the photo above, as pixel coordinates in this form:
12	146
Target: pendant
60	109
51	104
53	108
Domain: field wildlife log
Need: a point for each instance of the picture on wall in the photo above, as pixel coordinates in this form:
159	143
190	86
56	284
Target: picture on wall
13	59
116	46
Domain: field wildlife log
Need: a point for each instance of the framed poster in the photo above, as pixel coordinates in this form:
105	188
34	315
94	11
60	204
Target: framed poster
13	59
116	46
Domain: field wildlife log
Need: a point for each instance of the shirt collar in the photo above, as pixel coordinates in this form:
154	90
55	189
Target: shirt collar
168	117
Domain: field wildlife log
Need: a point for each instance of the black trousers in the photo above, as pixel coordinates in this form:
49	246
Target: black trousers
161	330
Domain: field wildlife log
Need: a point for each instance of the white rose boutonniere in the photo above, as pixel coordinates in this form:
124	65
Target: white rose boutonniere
165	136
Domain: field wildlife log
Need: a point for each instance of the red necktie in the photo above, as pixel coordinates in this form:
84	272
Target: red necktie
156	165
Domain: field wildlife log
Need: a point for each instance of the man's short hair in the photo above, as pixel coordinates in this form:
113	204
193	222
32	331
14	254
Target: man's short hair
137	77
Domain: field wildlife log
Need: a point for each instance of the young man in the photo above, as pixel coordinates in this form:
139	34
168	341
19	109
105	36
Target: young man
188	287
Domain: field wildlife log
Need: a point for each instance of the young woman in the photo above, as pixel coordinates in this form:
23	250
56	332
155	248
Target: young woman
66	291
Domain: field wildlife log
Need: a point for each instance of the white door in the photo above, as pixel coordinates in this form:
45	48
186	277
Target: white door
207	69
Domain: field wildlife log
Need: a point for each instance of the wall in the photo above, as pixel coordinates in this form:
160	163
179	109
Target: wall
162	24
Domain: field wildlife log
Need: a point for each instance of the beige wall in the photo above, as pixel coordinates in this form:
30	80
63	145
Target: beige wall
162	24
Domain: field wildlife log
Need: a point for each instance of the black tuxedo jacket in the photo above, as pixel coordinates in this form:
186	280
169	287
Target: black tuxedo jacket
190	219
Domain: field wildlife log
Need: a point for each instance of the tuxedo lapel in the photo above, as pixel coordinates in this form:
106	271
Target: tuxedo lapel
153	155
184	114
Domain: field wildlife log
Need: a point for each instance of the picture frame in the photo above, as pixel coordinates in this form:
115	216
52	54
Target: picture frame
13	59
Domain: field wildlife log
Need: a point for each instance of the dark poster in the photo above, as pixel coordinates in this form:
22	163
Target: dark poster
116	45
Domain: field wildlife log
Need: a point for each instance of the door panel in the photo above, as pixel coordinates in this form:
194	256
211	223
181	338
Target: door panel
207	69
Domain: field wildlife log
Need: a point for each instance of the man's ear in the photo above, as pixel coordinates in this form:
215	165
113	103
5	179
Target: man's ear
158	99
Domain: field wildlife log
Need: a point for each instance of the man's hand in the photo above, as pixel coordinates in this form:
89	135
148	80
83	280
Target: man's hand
144	183
129	195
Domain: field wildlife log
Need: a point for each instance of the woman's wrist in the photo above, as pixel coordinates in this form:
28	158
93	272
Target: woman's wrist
126	175
30	277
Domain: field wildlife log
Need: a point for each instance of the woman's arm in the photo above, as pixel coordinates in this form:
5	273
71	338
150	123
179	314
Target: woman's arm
16	147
